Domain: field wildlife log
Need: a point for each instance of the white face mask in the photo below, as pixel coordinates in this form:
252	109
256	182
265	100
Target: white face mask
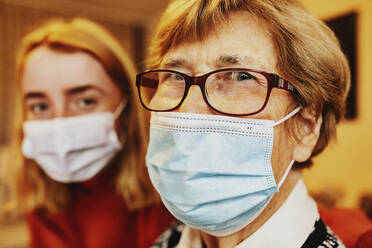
72	149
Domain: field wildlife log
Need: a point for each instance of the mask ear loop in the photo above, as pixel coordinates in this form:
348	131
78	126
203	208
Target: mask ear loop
281	181
120	108
295	111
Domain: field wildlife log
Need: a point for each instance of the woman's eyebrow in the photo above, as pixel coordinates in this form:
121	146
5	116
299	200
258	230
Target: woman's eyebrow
32	95
81	89
175	63
226	60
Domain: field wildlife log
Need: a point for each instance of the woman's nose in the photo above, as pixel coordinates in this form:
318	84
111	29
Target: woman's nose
194	102
60	109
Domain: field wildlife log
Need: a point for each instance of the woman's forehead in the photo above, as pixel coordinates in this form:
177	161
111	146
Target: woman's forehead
239	42
46	68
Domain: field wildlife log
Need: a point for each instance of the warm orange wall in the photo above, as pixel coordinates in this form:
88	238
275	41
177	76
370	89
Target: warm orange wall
347	163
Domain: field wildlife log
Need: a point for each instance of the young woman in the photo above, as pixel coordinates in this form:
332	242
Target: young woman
82	181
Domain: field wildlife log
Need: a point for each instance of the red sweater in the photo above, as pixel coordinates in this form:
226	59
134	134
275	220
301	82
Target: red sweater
98	218
347	224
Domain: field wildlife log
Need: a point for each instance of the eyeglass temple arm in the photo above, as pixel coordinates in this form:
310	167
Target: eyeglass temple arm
147	82
279	82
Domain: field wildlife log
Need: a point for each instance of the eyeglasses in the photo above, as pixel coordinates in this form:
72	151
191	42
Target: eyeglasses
231	91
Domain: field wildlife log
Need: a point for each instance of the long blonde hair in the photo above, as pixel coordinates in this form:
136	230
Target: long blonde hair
30	187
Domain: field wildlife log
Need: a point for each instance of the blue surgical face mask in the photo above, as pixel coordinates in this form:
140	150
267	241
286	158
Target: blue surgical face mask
213	172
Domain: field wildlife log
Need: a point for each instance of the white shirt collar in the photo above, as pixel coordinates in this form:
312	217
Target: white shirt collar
295	218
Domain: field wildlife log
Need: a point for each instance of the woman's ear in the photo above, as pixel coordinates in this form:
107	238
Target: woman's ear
308	133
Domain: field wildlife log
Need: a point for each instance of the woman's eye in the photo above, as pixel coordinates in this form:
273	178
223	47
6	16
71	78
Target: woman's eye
86	102
177	77
241	76
170	77
39	108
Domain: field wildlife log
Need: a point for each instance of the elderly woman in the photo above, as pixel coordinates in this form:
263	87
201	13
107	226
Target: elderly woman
82	181
244	94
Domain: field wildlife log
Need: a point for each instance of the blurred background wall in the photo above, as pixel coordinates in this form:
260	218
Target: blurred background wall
341	174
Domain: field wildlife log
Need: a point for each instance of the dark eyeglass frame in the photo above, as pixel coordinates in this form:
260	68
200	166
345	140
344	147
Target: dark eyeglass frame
273	80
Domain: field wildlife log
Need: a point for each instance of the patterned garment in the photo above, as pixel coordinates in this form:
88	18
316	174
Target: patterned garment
321	237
